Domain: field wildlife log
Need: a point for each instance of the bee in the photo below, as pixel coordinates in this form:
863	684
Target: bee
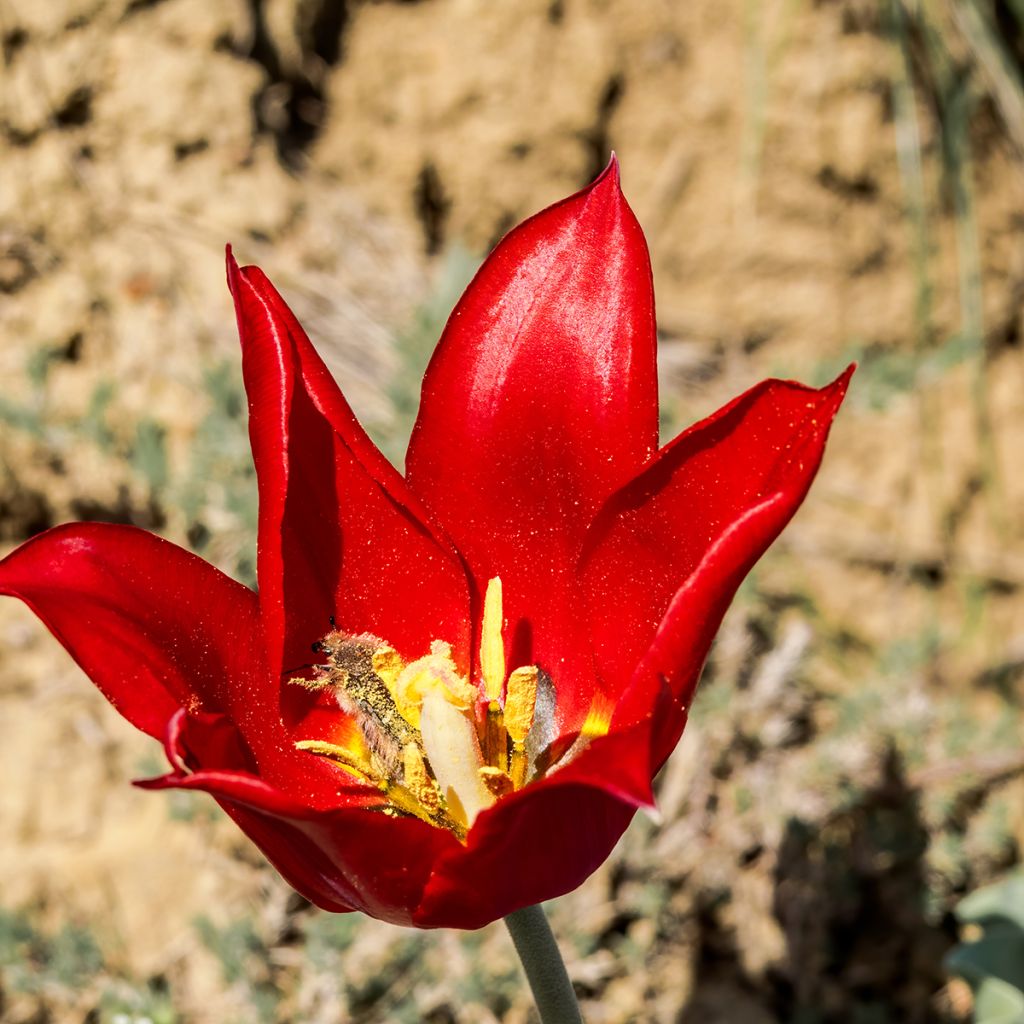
364	696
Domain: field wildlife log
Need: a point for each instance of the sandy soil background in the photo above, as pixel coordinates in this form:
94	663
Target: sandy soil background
818	182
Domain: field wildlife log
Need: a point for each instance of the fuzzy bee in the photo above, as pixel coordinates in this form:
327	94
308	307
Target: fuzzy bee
364	696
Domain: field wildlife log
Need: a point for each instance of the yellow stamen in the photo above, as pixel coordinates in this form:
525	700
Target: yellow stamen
433	743
417	780
405	801
520	705
387	663
492	646
521	702
340	755
495	738
497	781
427	675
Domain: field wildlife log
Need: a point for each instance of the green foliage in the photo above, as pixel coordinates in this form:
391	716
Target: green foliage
31	959
149	453
21	417
328	936
232	944
415	344
73	956
147	1004
16	937
220	477
244	959
34	416
993	963
885	374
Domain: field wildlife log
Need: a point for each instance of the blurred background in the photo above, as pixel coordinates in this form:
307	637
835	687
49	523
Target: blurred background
819	182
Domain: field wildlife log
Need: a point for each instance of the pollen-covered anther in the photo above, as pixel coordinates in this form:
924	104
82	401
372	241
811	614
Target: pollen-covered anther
417	779
497	781
520	708
387	664
521	702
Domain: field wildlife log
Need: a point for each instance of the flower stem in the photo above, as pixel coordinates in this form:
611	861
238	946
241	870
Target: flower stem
545	970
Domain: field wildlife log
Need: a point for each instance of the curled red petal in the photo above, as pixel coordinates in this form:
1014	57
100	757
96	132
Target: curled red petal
339	532
544	840
668	551
533	845
160	631
541	399
341	858
155	627
676	655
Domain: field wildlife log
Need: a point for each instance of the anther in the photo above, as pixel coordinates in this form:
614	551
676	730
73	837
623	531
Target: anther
520	706
497	781
492	646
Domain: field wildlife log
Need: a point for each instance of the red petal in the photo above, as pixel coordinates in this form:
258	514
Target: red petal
667	552
676	655
534	845
540	400
339	532
342	858
159	630
272	818
155	627
544	840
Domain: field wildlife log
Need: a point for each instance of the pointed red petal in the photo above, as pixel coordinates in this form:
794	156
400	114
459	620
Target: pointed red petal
339	532
540	400
159	630
668	551
155	627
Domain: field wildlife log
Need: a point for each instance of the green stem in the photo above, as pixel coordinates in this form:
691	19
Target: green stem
545	970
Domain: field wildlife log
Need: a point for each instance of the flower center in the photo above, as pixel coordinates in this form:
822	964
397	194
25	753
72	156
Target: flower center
436	745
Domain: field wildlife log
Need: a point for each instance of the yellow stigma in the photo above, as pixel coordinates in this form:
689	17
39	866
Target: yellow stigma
425	675
435	744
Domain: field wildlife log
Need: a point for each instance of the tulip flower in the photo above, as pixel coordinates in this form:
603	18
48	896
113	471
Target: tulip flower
453	688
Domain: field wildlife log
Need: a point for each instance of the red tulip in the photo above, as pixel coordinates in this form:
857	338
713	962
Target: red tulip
465	747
